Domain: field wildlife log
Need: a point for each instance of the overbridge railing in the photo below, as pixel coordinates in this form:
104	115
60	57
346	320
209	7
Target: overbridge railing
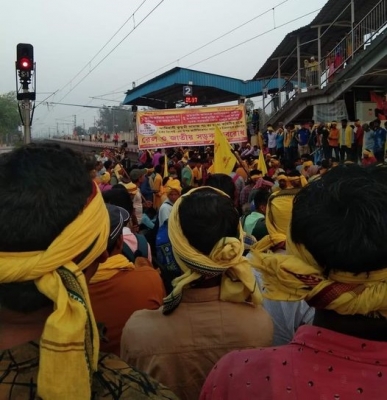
314	75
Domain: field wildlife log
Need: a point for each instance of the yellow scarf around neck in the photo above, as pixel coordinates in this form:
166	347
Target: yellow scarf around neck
69	344
226	258
297	276
111	267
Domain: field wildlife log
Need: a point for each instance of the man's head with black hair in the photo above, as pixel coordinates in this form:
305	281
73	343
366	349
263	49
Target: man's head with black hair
44	189
222	182
261	198
341	219
208	211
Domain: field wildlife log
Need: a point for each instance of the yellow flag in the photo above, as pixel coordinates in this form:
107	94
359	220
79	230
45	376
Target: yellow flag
261	163
224	159
165	166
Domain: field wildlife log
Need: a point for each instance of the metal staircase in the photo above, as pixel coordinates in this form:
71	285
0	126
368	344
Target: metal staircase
354	56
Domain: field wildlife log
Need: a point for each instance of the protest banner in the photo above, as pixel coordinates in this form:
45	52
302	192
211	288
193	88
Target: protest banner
190	127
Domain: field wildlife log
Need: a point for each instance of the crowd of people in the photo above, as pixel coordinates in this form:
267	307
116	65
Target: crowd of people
166	279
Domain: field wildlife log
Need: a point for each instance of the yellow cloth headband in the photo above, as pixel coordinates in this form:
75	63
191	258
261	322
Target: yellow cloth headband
238	283
105	178
69	344
302	178
173	184
297	276
278	216
112	266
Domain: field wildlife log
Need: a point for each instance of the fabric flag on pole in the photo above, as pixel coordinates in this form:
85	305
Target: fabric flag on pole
224	159
261	163
165	166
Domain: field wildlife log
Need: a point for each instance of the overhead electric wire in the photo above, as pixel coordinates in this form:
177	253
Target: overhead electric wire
52	94
219	37
131	16
104	46
253	38
111	51
212	41
201	47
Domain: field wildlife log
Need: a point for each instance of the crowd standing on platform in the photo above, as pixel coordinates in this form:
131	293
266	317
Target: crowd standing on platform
165	279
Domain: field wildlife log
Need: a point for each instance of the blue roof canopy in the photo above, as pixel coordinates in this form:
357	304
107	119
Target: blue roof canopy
166	90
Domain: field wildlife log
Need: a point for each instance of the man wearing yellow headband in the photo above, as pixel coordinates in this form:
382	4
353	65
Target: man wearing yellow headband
173	190
124	283
287	316
337	262
163	250
53	237
296	179
283	181
214	306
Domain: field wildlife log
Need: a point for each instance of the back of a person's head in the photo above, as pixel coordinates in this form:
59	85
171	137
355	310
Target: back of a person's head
119	197
294	173
107	164
206	216
325	164
222	182
341	219
44	188
261	197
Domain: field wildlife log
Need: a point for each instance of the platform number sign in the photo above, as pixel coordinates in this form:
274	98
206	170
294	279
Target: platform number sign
187	91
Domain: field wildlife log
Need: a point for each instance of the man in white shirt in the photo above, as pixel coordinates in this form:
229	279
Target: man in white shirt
271	140
173	193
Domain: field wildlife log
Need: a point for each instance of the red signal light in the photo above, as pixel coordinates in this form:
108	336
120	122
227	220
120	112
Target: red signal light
25	64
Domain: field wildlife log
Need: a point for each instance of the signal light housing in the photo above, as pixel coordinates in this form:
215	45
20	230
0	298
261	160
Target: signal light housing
24	57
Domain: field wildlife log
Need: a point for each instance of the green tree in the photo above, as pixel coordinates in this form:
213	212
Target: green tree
115	119
79	130
9	117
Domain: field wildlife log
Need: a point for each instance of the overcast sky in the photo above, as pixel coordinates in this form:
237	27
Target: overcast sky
66	35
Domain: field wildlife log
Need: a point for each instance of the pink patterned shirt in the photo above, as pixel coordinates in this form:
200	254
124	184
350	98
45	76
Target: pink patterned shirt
318	364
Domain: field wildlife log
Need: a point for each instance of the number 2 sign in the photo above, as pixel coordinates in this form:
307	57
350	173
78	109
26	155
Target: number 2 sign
187	91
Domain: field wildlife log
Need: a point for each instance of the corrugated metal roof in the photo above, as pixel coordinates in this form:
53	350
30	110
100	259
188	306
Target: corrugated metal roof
331	10
167	88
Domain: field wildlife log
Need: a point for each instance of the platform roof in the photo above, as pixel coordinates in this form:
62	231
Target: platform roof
308	34
166	90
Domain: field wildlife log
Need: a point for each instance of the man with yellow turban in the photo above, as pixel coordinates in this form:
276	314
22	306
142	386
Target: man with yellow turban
215	305
52	238
104	182
283	181
163	249
287	317
296	179
336	262
173	190
124	283
278	214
